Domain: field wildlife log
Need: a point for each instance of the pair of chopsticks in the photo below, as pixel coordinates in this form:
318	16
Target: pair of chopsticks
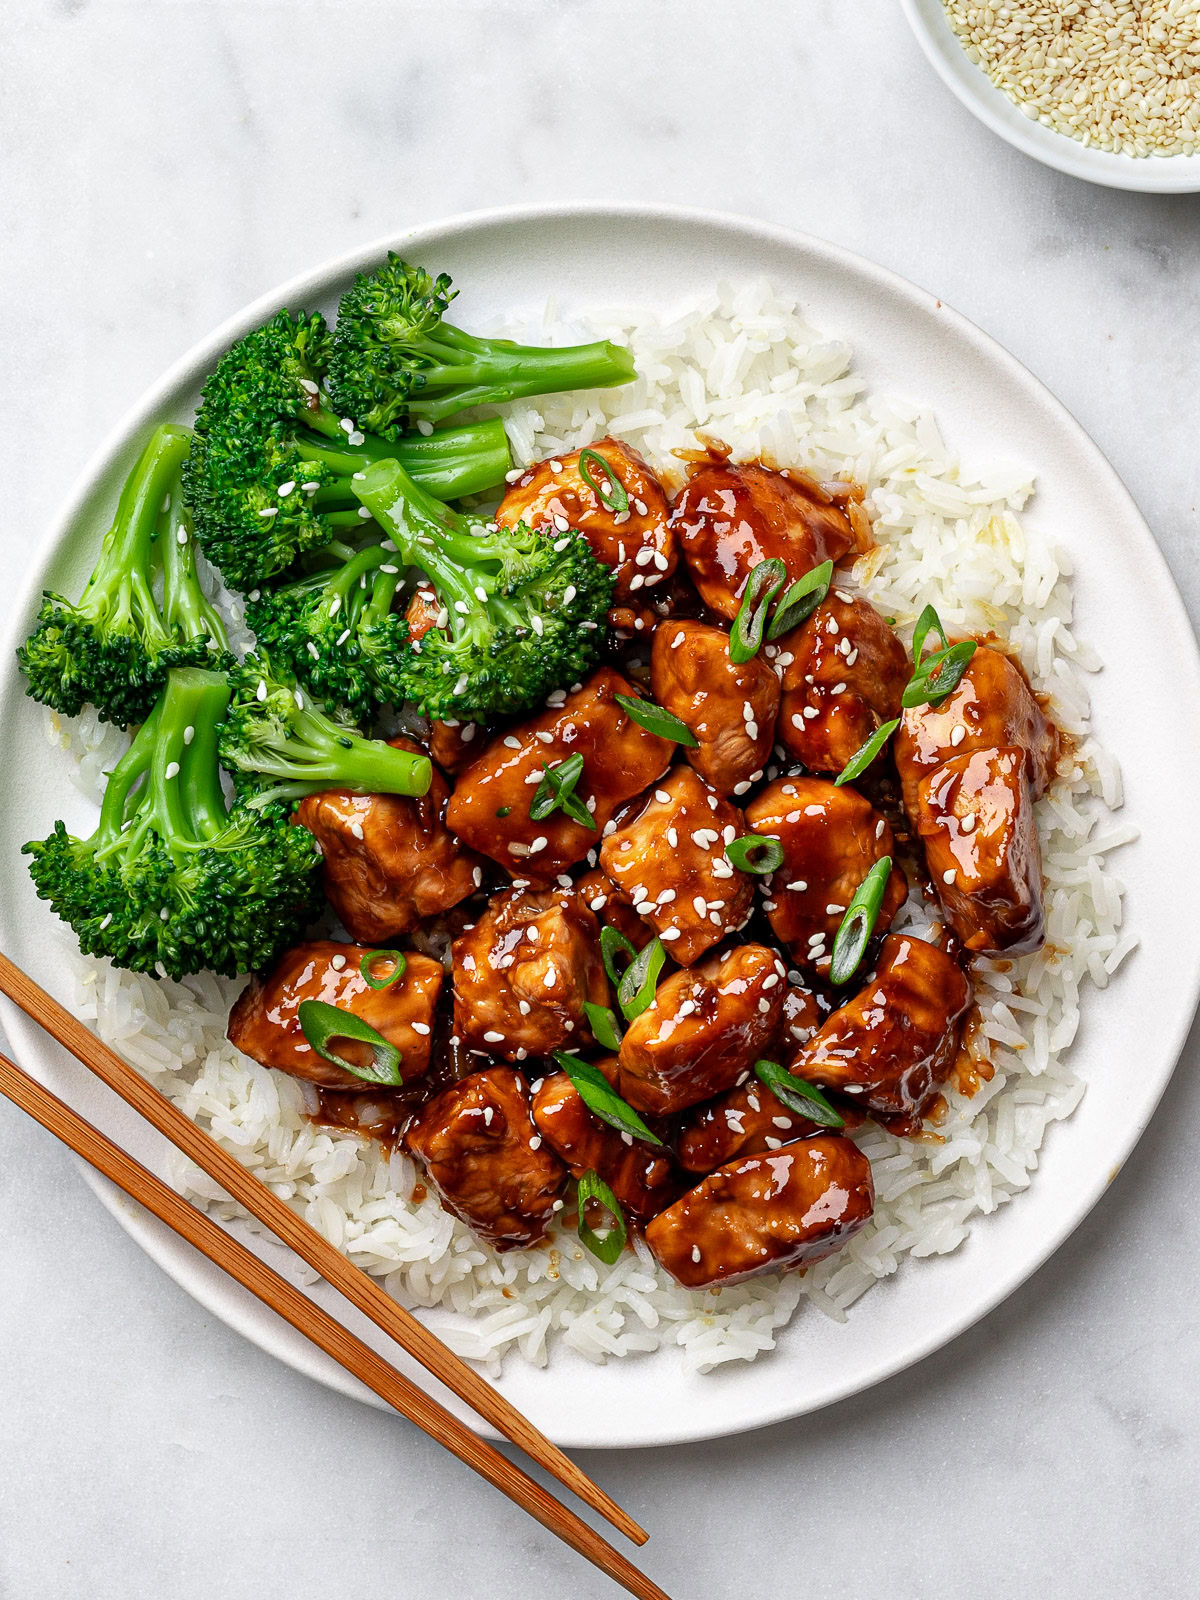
296	1308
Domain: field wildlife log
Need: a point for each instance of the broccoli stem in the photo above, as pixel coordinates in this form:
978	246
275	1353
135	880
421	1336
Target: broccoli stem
451	462
175	751
429	535
186	608
490	371
320	753
120	587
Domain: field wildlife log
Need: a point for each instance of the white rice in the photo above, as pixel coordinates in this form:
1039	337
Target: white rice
740	364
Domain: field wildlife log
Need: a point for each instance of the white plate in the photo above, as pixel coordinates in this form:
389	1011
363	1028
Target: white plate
1147	708
1151	174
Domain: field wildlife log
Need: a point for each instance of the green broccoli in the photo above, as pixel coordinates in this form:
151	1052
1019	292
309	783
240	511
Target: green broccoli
524	611
335	629
173	880
114	647
275	732
394	359
271	470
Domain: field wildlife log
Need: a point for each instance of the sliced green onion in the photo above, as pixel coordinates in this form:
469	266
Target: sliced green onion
557	791
503	811
798	602
320	1023
599	1096
369	960
763	584
655	720
593	1187
756	853
855	928
602	1020
866	753
798	1095
613	944
615	497
938	675
635	991
928	622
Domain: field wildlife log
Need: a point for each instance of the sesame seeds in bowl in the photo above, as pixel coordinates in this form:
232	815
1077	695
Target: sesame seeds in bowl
1105	90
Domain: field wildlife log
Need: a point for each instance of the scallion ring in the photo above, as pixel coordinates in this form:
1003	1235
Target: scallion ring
613	944
938	675
592	1187
599	1096
798	1095
928	622
756	853
557	792
320	1023
635	992
655	720
372	956
858	922
866	753
615	498
763	584
602	1020
798	602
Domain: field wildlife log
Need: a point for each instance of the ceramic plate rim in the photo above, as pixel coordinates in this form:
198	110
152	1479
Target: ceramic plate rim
207	1285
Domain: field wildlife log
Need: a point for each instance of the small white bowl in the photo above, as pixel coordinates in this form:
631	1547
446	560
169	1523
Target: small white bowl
1153	174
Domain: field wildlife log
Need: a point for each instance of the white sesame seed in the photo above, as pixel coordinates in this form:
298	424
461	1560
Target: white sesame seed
523	1007
492	1037
741	788
562	525
261	691
164	914
337	963
810	712
771	979
967	823
539	843
798	885
536	1142
771	1142
556	466
949	875
696	1252
673	838
677	640
356	829
764	1006
668	934
663	798
420	1027
958	735
701	905
636	582
833	909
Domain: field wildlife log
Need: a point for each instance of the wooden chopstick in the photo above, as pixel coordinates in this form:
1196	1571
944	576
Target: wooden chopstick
323	1257
316	1324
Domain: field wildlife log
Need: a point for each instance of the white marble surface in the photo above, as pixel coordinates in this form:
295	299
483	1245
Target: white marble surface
160	163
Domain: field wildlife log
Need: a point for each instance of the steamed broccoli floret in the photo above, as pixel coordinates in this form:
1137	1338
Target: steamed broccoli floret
114	647
173	880
525	611
280	745
335	629
395	359
270	472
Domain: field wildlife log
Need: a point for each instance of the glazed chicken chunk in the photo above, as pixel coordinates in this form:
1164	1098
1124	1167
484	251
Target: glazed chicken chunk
669	860
484	1156
785	1208
728	706
523	972
454	745
749	1118
970	770
892	1046
991	708
975	819
635	540
642	1176
265	1021
389	860
831	838
729	518
489	809
706	1026
601	895
844	671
